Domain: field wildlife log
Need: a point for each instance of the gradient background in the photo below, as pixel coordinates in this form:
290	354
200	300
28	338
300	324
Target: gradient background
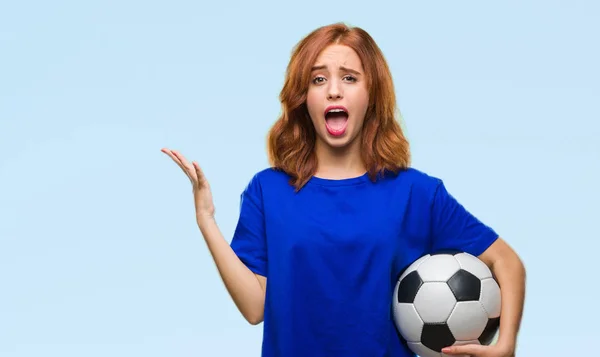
99	251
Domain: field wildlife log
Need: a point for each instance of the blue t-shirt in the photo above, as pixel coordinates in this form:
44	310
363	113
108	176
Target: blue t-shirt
332	253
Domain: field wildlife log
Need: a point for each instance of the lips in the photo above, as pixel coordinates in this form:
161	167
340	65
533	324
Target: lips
335	109
336	119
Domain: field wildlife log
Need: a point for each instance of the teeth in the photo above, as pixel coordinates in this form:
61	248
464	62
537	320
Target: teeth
336	111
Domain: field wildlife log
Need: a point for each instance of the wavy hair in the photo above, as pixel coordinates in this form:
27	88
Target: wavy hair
291	140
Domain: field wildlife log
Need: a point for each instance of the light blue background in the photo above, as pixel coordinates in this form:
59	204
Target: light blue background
99	251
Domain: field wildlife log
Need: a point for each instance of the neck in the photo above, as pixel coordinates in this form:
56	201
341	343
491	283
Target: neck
339	163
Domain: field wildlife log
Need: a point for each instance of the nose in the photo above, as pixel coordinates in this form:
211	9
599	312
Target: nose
334	91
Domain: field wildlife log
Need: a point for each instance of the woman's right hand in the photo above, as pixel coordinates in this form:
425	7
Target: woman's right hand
246	288
203	200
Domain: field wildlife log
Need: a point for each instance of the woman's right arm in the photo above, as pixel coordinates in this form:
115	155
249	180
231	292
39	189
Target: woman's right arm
245	288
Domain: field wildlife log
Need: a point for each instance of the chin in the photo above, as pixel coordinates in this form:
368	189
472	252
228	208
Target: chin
338	142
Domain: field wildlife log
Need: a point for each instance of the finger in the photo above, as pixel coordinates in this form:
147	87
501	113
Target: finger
199	174
182	159
470	350
189	168
173	155
176	159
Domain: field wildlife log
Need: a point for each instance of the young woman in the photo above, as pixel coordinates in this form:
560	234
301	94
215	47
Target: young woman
324	233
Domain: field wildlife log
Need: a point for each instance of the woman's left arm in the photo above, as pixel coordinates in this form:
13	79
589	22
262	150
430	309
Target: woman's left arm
509	271
510	274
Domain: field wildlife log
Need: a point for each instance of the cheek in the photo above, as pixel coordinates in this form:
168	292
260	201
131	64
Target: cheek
361	104
312	106
364	99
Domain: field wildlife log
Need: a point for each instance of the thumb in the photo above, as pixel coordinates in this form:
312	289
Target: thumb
470	350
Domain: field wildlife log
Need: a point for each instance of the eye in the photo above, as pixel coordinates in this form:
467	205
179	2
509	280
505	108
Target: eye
350	78
318	80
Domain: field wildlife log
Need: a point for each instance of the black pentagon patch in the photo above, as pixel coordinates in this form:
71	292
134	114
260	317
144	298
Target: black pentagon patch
409	286
465	286
490	331
437	336
446	251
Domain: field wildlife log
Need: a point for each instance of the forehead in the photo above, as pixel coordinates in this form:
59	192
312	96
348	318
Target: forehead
339	55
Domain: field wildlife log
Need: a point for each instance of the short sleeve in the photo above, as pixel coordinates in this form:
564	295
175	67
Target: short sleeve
455	228
249	242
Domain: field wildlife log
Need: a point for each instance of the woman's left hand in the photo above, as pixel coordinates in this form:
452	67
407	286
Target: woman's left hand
480	351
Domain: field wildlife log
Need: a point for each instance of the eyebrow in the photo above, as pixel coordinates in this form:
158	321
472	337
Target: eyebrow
346	69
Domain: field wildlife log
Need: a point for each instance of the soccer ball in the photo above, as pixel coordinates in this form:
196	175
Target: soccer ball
445	299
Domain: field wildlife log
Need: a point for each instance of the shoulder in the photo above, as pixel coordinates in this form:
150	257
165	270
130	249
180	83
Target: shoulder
267	179
420	188
418	180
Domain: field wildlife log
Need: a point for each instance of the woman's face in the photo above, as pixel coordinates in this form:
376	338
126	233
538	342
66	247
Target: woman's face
338	96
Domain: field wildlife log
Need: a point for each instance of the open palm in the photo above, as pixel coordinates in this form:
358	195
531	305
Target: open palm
203	200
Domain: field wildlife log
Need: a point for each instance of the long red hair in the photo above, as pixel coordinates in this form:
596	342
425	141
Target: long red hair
291	140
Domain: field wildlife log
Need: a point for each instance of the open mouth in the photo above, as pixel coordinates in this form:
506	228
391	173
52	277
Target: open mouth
336	120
